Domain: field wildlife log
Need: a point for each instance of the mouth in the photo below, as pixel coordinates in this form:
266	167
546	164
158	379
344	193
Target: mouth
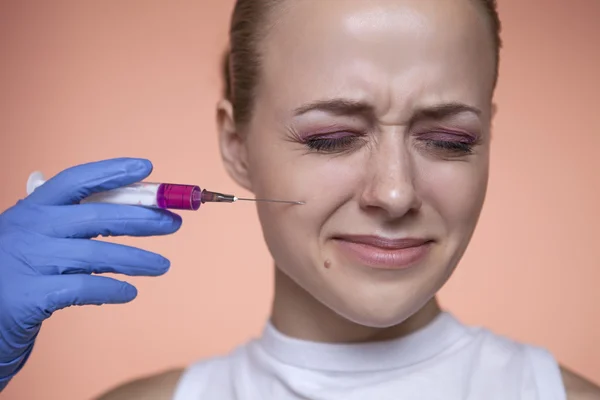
383	253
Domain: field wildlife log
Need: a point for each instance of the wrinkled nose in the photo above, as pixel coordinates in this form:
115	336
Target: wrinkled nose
389	181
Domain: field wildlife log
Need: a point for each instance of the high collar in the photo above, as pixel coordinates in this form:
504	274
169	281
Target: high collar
421	345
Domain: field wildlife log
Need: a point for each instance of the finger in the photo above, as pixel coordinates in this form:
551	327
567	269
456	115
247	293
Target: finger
74	184
92	220
75	256
60	291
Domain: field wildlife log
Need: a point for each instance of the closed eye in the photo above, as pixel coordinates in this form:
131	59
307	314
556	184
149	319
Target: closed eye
450	142
331	144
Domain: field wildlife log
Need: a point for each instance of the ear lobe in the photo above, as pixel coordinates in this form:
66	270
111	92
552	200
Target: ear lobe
232	145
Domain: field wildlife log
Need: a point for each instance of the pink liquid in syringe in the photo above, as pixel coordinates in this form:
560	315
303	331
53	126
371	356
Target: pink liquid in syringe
190	197
179	197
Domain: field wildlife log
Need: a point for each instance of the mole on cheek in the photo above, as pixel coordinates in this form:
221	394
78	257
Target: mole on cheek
327	264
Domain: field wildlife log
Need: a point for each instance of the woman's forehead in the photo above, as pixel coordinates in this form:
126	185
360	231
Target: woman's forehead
314	22
379	49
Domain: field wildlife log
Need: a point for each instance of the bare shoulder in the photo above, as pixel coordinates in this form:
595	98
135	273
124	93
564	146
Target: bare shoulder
579	388
156	387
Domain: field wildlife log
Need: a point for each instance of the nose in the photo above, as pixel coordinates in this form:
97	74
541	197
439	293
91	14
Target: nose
389	183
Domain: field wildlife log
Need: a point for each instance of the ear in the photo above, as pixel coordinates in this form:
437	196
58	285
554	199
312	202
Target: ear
232	145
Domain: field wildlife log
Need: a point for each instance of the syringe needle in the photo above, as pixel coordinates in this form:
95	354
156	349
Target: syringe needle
271	201
215	197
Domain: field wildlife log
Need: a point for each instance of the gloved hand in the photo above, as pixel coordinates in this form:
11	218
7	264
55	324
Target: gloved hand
47	259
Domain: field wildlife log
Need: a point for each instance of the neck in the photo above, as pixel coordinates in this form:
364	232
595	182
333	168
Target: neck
296	313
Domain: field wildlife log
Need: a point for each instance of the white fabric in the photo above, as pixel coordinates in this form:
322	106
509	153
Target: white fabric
446	360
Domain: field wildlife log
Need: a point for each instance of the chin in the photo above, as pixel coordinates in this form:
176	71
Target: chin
385	299
380	320
379	312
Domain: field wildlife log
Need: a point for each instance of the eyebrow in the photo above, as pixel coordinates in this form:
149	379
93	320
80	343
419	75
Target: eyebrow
338	107
441	111
345	107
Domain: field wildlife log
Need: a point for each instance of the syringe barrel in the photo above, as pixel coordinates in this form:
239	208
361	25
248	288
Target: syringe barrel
179	197
147	194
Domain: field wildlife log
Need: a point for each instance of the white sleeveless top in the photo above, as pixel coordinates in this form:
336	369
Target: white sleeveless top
445	360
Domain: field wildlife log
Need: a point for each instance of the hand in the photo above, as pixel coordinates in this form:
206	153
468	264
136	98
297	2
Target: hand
47	259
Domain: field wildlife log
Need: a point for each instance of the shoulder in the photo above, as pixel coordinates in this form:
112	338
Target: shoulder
194	381
577	387
550	377
156	387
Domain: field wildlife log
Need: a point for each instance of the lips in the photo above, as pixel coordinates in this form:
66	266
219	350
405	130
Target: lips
383	253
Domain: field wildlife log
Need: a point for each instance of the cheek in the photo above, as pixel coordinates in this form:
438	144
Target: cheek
323	183
295	175
456	191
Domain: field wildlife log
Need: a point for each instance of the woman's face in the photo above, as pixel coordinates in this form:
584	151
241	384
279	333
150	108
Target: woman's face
377	115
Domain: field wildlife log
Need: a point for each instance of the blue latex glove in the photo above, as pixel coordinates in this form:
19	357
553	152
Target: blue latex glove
47	259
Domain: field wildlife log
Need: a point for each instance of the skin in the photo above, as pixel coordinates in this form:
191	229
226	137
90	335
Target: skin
388	178
391	181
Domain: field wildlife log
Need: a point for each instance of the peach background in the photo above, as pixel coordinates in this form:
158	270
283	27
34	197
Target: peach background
82	81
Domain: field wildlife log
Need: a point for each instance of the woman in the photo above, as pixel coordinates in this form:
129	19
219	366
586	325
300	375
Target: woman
377	115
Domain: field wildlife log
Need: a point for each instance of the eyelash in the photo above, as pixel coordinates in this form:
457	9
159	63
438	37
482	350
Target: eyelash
331	145
327	144
451	146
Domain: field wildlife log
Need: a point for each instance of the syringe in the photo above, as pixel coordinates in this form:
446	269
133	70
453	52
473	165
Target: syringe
157	195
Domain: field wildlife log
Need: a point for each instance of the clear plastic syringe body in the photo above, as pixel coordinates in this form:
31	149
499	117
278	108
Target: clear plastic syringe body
148	194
